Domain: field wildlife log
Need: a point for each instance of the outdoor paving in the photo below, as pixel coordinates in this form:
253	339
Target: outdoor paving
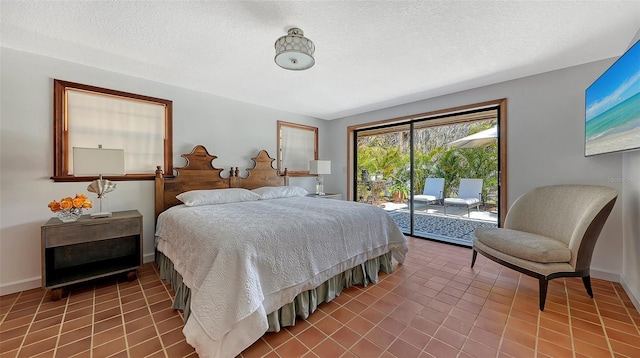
456	226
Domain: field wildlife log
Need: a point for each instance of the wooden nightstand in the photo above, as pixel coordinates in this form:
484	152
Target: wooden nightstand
326	196
90	248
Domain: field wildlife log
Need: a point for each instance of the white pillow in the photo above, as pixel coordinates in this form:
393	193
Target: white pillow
275	192
216	196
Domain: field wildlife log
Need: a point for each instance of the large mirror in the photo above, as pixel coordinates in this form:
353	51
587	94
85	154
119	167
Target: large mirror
297	146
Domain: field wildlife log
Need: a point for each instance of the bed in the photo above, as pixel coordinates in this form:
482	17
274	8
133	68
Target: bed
252	257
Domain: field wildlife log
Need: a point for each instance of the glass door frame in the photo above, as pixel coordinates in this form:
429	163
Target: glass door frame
439	118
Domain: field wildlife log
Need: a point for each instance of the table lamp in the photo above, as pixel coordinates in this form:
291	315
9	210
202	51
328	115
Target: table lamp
320	167
99	161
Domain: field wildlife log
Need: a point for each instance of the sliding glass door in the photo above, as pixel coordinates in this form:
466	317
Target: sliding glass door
437	177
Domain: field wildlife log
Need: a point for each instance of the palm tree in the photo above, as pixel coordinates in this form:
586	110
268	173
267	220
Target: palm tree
447	167
424	168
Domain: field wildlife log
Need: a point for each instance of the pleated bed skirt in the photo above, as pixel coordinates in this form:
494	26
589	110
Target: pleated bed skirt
303	304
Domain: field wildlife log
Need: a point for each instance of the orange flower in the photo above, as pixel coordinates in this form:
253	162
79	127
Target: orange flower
87	204
66	203
77	202
80	201
55	206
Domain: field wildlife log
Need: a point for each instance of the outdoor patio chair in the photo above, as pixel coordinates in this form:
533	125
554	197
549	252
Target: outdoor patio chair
469	195
549	232
433	191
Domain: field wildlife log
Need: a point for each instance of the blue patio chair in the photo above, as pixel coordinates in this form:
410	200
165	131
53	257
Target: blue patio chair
433	191
469	195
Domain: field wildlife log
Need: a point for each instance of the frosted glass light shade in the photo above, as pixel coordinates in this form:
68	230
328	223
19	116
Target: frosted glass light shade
294	51
320	167
98	161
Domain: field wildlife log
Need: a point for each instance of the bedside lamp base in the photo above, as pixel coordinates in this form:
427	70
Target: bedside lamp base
101	215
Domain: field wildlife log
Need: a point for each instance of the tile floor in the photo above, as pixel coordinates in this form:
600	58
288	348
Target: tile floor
432	306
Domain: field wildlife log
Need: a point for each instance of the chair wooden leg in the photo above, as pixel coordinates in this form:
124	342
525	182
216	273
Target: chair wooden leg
587	284
473	258
543	284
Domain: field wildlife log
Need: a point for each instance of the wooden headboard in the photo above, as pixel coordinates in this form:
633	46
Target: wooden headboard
199	173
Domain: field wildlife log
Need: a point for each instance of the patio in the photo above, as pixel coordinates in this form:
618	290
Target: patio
456	226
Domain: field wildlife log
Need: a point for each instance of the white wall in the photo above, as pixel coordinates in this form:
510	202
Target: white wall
630	180
545	145
233	131
630	201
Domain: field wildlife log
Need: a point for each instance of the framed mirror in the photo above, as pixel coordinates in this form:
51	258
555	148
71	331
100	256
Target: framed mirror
297	146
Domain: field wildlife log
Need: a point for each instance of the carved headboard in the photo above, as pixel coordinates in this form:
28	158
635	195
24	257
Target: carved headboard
262	174
199	173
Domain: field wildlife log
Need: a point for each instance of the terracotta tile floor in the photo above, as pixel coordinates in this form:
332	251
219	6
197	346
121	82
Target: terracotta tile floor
432	306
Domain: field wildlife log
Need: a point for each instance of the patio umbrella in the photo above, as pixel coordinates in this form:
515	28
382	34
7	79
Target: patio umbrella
476	140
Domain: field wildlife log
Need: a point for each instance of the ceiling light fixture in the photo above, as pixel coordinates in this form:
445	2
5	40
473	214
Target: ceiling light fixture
294	51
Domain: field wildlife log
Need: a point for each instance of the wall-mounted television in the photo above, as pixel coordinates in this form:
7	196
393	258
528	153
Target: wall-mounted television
612	107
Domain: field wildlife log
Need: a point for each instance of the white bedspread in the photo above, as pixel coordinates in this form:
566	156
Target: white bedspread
244	260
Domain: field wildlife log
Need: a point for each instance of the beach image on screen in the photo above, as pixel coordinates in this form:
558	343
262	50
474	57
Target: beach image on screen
613	107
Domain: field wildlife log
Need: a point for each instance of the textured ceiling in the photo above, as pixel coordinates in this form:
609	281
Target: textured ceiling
369	54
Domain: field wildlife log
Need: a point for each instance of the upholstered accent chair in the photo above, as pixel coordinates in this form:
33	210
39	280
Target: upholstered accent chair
433	191
469	195
549	232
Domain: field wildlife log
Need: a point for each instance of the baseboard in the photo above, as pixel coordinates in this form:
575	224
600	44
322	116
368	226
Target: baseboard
614	277
633	295
605	275
21	285
148	257
35	282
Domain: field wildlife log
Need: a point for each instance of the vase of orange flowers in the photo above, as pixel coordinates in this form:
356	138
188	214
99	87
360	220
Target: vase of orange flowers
70	209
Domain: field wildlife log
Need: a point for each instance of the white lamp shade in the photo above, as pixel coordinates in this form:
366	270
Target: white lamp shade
98	161
320	167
